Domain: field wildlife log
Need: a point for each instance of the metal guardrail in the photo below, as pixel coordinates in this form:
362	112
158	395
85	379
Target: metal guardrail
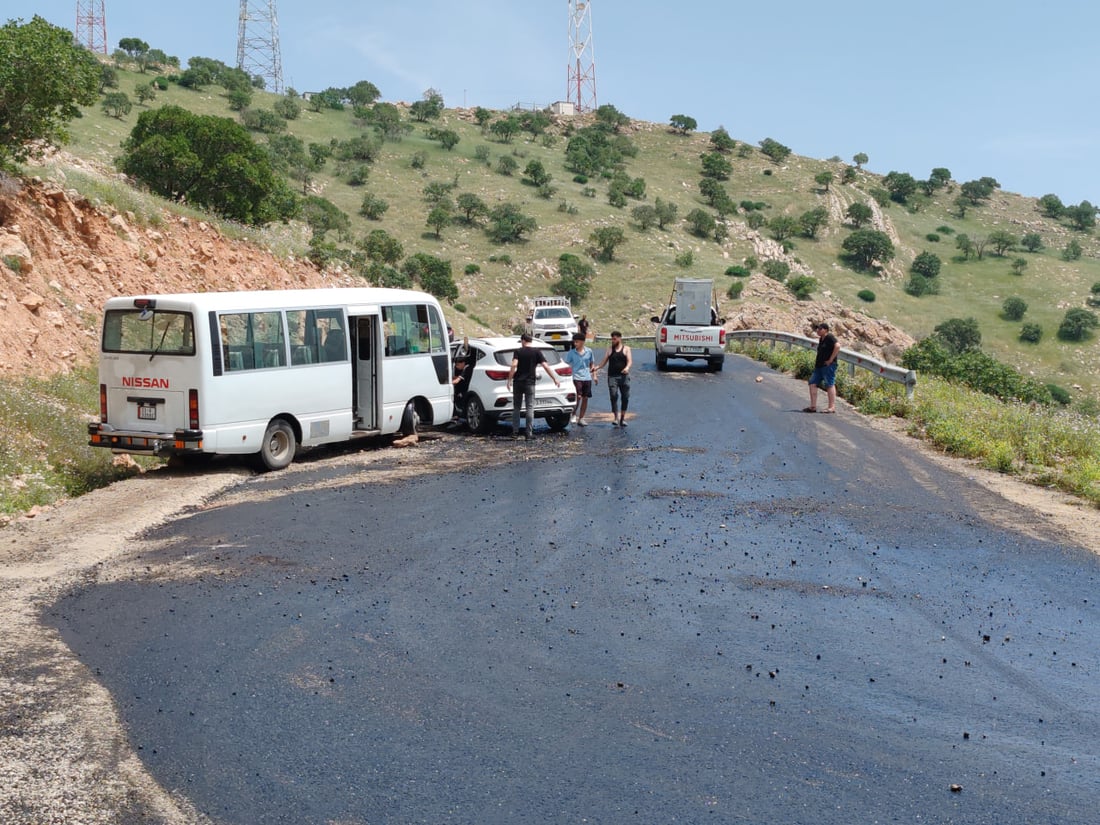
854	360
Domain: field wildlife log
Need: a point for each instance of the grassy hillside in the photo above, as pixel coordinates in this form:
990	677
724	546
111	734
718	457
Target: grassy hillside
627	290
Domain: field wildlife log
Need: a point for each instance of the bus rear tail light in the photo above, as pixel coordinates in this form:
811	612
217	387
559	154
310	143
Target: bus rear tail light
664	335
103	403
193	409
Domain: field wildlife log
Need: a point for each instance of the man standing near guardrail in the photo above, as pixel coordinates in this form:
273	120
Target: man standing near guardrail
824	374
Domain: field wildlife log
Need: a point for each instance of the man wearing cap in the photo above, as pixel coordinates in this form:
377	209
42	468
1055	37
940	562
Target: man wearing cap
521	381
824	374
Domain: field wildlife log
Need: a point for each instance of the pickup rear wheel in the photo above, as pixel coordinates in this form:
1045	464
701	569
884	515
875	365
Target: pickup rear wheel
716	364
662	362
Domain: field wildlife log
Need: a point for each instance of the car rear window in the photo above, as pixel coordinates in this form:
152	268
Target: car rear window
504	357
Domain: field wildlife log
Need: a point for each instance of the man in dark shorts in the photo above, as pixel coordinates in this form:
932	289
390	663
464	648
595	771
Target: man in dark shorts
521	381
824	374
580	358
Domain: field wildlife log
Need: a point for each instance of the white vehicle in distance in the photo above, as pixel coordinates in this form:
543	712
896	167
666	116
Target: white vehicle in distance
487	400
552	320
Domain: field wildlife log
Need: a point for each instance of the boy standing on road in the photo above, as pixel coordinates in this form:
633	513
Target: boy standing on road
824	374
524	363
580	358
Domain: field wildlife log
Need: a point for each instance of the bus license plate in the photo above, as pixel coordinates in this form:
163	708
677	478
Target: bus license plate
147	412
692	350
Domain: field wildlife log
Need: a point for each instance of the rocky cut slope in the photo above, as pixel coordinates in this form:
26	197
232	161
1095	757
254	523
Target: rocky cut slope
61	257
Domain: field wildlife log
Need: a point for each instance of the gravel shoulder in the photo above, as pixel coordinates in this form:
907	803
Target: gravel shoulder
64	755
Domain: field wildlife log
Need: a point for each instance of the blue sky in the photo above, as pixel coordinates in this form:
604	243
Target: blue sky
998	88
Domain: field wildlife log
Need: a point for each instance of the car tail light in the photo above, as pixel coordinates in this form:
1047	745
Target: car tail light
193	409
103	403
564	369
664	335
722	336
496	375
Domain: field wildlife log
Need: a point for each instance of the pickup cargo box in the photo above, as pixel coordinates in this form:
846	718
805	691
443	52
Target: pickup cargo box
690	328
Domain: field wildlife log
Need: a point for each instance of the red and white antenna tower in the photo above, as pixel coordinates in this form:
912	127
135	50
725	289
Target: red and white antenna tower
580	84
258	43
91	25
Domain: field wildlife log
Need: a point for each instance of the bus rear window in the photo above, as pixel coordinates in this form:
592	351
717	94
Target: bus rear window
160	332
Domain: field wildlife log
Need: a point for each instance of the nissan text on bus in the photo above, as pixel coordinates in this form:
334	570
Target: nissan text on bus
265	373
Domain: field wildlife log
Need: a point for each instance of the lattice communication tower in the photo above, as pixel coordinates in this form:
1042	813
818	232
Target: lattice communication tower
258	43
91	25
580	84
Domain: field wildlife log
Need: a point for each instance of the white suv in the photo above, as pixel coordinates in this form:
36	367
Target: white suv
487	400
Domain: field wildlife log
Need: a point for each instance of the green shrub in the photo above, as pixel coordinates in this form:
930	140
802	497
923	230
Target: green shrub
1031	333
1060	395
945	230
866	295
504	258
1013	308
802	286
932	237
735	289
738	271
581	179
460	308
918	286
776	270
472	269
685	259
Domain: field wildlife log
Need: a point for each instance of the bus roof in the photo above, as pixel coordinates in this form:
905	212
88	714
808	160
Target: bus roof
276	298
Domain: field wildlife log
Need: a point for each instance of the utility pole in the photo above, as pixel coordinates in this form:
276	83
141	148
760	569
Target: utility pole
580	83
91	25
258	43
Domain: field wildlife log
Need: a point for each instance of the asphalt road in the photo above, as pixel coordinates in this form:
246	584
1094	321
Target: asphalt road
729	612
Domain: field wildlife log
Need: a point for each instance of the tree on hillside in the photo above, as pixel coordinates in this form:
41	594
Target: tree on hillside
859	214
44	80
1077	325
576	277
721	141
700	223
900	185
926	264
859	158
716	166
823	179
611	118
363	93
117	104
505	129
1014	308
666	212
1032	241
440	216
508	224
645	216
958	335
1082	216
382	247
812	220
535	173
683	124
134	47
865	247
208	161
430	107
977	192
1051	206
433	274
774	150
471	206
1002	241
606	238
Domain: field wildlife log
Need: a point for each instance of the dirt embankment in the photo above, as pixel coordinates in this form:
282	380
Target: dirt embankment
61	257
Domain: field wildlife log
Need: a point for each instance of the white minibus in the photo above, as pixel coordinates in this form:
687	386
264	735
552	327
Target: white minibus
265	373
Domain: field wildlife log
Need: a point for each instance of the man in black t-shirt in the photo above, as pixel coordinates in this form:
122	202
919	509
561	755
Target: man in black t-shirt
521	381
824	374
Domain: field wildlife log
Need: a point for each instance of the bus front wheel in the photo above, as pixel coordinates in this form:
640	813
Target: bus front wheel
279	445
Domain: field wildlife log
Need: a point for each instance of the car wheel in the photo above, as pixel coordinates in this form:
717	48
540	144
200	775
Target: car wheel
558	421
476	417
279	445
662	362
409	420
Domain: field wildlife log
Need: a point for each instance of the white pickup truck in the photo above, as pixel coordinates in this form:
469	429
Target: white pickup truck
690	328
551	320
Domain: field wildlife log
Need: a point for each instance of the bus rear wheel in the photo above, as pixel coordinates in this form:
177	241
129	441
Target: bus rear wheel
279	445
409	420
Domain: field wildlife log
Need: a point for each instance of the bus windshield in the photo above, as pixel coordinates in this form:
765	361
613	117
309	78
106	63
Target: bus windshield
148	332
